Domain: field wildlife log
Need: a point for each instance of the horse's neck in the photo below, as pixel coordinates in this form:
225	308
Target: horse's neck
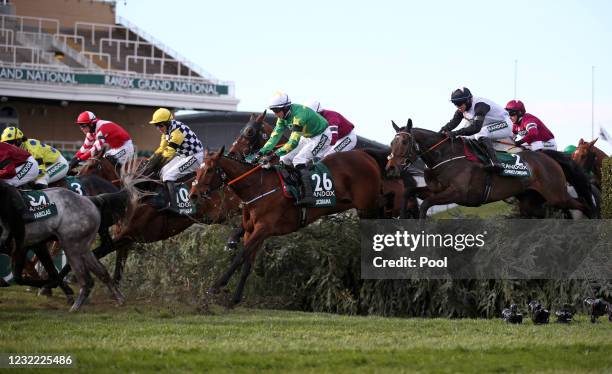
246	188
441	152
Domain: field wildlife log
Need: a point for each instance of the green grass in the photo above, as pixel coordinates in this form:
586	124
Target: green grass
143	337
498	208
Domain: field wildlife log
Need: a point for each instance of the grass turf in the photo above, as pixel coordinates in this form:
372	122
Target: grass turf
144	337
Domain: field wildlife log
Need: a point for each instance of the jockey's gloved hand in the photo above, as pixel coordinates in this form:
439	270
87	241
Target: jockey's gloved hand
519	142
73	163
266	160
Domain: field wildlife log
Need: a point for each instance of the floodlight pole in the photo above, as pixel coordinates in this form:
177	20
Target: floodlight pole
592	102
515	76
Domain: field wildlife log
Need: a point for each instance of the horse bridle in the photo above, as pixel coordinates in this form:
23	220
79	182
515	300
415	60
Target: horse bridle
222	183
254	137
414	145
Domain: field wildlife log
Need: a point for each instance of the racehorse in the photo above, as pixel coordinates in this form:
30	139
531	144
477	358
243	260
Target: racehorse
266	212
590	159
75	227
148	224
399	201
451	178
87	186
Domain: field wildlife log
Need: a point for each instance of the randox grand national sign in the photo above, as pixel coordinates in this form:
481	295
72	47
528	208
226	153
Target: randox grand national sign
109	80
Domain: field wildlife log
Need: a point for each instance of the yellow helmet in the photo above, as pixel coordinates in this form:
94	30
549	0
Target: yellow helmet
161	115
11	133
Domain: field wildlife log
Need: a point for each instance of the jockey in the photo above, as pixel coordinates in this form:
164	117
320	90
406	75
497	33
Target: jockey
310	137
100	134
529	129
52	166
17	167
180	149
487	121
343	137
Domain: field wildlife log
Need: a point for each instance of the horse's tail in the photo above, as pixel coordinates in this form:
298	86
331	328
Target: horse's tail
575	176
112	206
10	213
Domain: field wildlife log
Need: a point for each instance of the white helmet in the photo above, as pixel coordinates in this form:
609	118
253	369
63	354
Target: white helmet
279	100
316	106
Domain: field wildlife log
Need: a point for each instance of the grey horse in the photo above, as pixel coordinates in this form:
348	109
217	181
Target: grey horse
75	227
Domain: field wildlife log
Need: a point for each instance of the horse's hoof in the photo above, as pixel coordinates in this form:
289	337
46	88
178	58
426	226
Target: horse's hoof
74	309
45	292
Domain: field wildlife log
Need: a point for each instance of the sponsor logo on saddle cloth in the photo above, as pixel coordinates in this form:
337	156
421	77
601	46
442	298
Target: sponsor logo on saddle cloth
24	170
183	202
513	165
37	206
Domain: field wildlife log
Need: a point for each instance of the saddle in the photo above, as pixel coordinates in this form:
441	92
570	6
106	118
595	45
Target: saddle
512	164
321	179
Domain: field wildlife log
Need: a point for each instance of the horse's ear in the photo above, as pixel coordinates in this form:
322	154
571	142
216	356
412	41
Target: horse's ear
396	127
581	142
261	117
222	150
409	124
206	153
592	142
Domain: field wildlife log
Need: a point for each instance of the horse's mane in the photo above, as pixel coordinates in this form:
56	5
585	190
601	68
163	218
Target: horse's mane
10	212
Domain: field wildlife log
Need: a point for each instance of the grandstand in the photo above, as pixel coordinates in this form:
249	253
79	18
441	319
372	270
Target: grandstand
60	57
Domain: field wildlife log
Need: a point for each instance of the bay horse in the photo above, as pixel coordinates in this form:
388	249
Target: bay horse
267	212
399	200
148	224
75	227
451	178
590	159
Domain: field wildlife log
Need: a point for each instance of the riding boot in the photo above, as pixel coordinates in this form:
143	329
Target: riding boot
172	204
308	199
487	144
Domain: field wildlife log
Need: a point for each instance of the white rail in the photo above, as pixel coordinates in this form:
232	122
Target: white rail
23	21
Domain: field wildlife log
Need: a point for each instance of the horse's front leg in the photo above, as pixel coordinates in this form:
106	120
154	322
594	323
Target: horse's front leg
19	259
251	247
234	238
446	196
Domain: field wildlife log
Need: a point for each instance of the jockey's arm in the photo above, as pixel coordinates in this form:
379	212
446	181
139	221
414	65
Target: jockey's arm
293	141
532	133
480	111
176	139
7	169
454	122
275	136
84	152
99	144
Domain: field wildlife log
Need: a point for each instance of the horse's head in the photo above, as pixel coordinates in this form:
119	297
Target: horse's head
209	176
403	148
584	155
251	138
100	166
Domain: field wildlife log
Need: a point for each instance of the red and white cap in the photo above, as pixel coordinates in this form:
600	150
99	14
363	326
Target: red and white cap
86	118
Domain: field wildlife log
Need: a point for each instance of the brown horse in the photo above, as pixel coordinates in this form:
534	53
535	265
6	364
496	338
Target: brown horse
149	224
266	212
451	178
590	159
399	201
